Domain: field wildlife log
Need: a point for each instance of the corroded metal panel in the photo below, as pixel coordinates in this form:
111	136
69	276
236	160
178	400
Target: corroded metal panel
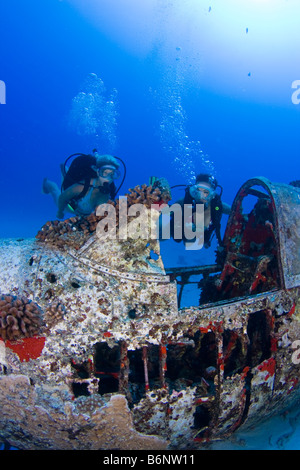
232	405
262	385
287	202
40	417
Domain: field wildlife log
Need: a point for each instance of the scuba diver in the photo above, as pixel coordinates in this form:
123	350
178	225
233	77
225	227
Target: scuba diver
204	191
88	182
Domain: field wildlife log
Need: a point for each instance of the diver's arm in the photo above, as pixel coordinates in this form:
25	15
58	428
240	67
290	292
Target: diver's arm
226	208
65	197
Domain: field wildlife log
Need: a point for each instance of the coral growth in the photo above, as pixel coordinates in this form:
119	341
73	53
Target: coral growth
163	186
19	318
146	195
75	231
72	232
89	404
54	314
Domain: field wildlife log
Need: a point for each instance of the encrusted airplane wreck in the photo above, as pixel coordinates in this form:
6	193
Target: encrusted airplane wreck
96	353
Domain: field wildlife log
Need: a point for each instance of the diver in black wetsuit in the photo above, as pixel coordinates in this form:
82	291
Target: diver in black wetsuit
204	191
88	182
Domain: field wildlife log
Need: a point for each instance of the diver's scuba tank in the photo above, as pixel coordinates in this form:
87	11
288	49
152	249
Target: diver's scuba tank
64	169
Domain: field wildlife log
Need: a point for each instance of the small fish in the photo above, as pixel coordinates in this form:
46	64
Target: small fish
246	30
209	10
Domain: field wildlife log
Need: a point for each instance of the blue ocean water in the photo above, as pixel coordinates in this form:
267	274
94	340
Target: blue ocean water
174	88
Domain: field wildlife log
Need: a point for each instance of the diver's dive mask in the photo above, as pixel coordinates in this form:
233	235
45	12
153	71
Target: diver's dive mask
202	193
108	172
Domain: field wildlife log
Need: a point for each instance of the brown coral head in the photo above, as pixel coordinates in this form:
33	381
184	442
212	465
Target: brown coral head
54	314
19	317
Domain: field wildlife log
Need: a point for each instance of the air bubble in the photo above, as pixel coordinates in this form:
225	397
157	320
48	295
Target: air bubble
94	114
185	154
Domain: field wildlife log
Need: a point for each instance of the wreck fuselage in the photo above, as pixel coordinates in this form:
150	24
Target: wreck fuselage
96	353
